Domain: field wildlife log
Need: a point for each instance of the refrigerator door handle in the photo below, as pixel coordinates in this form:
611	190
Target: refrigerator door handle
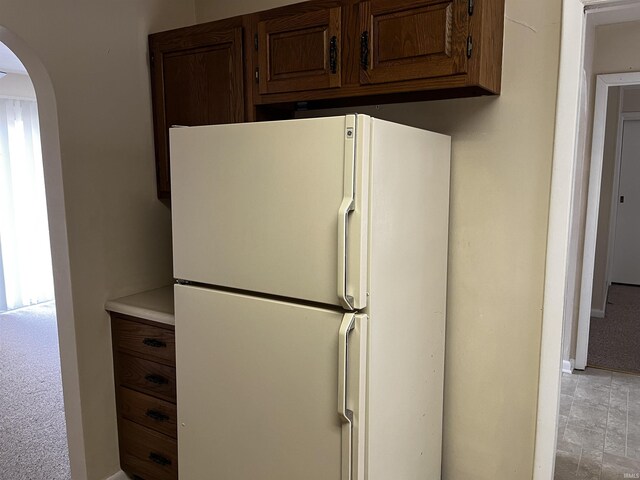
347	206
346	415
345	209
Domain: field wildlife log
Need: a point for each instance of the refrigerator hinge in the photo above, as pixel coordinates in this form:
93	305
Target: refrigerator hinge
182	282
469	46
350	131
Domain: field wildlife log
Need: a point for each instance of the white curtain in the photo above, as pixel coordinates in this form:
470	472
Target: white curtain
25	256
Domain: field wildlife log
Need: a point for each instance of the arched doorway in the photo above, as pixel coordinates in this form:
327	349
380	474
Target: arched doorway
49	135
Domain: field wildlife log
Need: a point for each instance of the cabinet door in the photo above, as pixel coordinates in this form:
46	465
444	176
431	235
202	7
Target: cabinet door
300	51
197	79
412	39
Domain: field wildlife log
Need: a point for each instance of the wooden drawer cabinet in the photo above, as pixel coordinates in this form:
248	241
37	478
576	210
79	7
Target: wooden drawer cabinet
147	376
147	454
148	411
144	365
146	340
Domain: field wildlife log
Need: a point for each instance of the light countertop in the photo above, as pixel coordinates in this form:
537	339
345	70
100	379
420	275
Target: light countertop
156	305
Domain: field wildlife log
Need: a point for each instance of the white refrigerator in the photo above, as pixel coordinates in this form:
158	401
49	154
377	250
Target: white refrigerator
311	265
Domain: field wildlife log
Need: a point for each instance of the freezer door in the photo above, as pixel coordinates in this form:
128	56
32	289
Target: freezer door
273	207
268	390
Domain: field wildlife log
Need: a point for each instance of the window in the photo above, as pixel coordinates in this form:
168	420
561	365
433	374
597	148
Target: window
25	256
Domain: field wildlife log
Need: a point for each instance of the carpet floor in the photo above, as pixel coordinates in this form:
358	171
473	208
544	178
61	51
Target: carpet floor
33	438
614	341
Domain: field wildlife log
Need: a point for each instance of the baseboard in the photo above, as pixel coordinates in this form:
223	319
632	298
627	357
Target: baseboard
597	313
118	476
567	365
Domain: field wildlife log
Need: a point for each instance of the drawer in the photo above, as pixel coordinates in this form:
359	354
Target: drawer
148	454
149	411
146	376
148	340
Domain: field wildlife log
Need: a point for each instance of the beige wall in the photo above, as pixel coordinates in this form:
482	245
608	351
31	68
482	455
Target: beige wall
207	10
119	233
616	48
615	51
631	99
17	85
502	148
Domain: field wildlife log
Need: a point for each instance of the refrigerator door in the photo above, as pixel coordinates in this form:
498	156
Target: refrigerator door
268	390
273	207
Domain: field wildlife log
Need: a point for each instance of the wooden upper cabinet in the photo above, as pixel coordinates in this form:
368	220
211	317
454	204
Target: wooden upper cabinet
412	39
320	54
300	51
197	79
387	50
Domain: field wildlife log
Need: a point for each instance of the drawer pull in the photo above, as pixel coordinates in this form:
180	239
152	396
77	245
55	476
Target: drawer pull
152	342
157	379
159	459
156	415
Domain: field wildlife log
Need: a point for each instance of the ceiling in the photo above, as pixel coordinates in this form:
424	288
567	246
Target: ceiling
9	62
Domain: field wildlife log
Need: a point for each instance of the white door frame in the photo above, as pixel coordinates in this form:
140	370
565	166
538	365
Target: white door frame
604	83
579	19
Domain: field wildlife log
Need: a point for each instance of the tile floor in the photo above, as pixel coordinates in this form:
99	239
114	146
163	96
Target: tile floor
599	427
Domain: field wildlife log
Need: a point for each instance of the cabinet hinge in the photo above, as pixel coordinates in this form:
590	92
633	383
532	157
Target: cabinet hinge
257	74
152	58
469	46
470	7
255	40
